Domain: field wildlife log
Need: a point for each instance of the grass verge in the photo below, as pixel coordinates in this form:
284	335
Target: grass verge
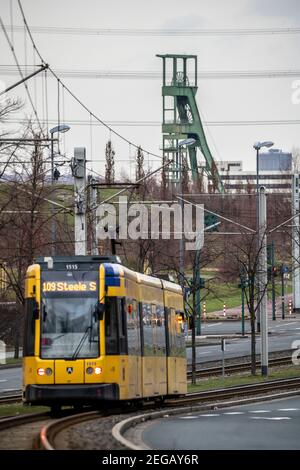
11	361
16	409
241	379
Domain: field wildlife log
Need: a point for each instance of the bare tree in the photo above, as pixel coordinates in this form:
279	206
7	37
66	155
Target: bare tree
110	163
185	175
139	171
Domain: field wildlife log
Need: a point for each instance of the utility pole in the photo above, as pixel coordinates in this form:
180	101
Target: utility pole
282	293
263	279
295	244
181	241
93	209
79	173
53	221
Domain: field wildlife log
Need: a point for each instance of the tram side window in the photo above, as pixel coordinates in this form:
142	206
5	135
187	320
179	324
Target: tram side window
29	327
122	326
176	334
133	327
115	330
160	331
180	338
111	326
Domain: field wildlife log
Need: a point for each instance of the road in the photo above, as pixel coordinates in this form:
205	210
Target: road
10	379
282	334
272	425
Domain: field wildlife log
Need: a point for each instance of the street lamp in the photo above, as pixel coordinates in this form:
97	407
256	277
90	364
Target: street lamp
257	146
262	318
57	129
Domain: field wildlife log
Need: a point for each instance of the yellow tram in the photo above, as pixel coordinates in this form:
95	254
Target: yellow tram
95	330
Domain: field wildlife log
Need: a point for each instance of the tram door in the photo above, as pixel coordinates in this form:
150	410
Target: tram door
173	360
134	348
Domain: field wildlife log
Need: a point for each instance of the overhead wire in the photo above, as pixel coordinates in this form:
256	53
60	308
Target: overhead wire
126	123
125	32
156	75
79	101
21	74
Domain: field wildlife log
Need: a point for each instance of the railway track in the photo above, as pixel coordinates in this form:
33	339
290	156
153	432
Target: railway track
15	397
212	398
204	372
234	368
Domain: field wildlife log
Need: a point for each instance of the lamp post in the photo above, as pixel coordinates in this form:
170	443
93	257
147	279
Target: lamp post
257	146
57	129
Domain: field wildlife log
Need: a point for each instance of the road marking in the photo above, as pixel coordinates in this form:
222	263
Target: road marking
277	418
234	413
208	416
8	390
188	417
3	380
288	409
286	324
214	324
205	352
260	411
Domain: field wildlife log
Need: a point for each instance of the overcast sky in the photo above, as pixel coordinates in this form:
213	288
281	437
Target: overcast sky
140	99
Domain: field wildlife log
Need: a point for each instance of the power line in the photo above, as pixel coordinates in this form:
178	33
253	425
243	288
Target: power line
21	74
156	75
76	98
119	123
132	32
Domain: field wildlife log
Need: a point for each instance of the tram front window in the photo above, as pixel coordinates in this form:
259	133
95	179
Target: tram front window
69	328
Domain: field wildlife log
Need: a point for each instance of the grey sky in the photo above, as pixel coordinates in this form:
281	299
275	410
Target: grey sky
140	100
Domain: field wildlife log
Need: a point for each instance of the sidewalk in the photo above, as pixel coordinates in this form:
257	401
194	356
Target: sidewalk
235	313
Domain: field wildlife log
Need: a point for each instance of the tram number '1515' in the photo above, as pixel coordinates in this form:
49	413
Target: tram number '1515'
71	267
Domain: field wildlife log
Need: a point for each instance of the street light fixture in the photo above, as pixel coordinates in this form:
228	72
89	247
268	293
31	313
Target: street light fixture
62	128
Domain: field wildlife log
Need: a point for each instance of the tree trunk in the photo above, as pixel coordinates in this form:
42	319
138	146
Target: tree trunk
17	340
253	343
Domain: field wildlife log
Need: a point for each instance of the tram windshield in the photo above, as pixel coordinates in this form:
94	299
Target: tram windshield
69	321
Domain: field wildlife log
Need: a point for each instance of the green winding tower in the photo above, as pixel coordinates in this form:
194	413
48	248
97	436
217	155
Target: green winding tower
181	118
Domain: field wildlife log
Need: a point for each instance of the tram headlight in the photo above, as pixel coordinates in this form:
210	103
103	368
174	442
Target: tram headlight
96	370
48	371
41	371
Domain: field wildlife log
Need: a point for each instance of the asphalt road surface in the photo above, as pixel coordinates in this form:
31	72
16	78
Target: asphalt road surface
272	425
10	379
282	334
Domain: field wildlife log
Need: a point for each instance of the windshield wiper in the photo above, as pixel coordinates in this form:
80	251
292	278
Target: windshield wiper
89	329
81	342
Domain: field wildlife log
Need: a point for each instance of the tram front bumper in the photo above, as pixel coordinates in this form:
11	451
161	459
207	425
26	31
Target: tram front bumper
84	393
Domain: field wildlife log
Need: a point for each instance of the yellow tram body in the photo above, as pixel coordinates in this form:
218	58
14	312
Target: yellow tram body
95	330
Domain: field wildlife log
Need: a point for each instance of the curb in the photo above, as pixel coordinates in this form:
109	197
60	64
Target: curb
10	366
120	428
